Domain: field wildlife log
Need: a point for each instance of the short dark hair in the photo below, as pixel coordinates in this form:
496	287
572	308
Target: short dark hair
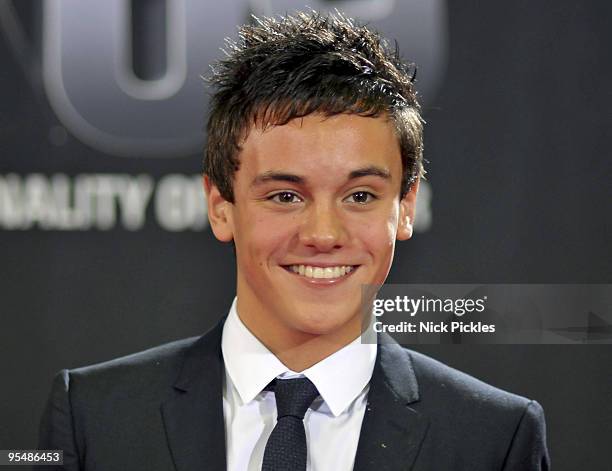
292	66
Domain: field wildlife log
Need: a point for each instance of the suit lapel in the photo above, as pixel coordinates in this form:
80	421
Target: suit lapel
391	432
193	415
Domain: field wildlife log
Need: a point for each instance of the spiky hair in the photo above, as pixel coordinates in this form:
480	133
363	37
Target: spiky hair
289	67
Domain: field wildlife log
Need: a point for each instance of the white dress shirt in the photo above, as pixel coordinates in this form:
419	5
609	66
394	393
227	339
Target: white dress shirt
333	422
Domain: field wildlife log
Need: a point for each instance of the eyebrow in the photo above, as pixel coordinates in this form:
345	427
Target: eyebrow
268	176
372	170
272	176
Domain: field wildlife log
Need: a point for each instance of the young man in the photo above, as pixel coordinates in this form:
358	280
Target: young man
312	170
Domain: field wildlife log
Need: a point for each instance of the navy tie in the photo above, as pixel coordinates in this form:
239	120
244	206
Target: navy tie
286	447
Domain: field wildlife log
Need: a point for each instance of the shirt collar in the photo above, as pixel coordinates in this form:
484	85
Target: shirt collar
339	378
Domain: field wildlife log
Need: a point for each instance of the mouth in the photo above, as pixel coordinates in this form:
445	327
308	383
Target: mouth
330	273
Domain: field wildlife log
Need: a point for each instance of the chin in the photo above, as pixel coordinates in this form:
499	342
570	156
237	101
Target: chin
324	321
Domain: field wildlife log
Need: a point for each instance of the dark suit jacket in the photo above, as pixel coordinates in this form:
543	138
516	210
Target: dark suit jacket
162	410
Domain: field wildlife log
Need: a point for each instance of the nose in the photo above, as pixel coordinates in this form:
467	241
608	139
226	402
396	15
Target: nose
323	228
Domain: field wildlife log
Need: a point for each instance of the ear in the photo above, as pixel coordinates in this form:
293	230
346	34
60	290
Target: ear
220	212
407	211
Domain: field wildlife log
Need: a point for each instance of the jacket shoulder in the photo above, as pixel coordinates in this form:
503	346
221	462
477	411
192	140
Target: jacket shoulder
438	381
141	374
481	426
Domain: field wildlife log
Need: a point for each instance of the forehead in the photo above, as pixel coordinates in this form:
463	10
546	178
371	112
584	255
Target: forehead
321	146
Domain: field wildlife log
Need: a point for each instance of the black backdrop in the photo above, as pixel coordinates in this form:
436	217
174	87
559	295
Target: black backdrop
520	173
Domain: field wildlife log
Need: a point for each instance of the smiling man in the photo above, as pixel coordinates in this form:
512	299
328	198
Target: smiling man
312	170
315	216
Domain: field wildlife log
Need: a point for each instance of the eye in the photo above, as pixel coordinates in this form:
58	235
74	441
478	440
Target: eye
285	197
360	197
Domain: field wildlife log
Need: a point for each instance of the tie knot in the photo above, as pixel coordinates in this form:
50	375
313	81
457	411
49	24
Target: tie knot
293	396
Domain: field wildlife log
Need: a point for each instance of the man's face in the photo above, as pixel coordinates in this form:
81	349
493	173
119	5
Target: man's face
316	215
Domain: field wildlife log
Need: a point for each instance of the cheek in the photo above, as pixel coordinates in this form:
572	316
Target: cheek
393	222
260	238
387	226
378	234
379	238
381	235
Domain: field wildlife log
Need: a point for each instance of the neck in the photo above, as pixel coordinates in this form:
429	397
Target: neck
296	349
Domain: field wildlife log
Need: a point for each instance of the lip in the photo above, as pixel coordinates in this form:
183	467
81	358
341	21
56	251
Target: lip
320	264
321	281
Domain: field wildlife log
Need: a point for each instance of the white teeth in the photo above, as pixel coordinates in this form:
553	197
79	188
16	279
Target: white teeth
321	272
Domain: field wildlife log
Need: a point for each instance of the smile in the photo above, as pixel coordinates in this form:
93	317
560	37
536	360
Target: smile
309	271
